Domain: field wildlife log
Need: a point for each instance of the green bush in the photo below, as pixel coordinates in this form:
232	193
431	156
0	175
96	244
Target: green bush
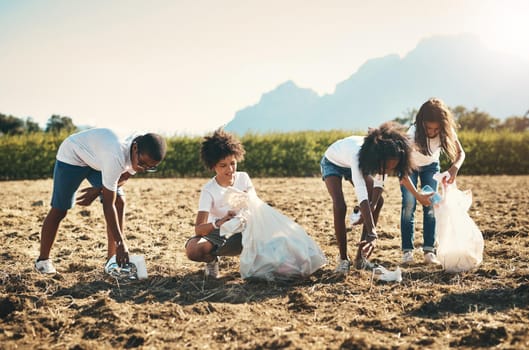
28	156
287	154
495	153
32	156
182	159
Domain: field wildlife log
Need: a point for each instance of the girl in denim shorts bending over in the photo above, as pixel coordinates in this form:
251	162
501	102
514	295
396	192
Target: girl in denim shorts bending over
365	162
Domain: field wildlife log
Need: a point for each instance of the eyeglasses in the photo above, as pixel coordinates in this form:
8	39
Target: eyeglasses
144	166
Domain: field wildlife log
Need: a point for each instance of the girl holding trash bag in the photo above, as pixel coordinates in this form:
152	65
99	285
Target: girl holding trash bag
365	162
219	152
432	132
232	220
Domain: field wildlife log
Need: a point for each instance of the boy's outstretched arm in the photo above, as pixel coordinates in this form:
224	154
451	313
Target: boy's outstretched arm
123	178
111	218
367	243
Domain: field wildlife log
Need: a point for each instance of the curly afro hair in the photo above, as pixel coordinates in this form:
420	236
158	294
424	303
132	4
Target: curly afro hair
384	143
219	146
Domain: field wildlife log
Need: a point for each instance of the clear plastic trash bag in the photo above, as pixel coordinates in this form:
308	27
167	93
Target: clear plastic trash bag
274	247
460	242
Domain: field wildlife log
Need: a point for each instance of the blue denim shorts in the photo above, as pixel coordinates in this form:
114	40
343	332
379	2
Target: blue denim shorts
328	168
66	180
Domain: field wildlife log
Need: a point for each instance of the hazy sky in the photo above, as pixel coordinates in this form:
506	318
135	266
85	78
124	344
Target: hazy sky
188	66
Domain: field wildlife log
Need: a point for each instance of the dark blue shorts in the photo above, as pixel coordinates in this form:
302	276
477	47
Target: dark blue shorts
66	180
222	246
328	168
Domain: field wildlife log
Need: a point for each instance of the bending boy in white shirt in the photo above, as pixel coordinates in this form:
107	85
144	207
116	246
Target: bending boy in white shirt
106	161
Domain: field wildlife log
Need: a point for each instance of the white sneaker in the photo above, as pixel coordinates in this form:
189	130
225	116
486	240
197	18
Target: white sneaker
343	267
212	268
407	257
111	265
430	258
45	266
355	216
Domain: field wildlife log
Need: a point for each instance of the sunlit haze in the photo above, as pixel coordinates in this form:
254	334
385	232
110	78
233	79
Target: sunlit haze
186	67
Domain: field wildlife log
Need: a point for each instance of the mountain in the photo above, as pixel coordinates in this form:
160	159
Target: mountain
276	109
457	69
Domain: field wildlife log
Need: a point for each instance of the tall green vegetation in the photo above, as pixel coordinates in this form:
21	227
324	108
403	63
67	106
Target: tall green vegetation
492	147
28	156
495	153
31	156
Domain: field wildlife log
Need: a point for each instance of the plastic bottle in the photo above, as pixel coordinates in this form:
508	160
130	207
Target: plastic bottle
436	198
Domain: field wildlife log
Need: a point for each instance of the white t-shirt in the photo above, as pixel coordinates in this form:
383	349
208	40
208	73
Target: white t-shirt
99	149
212	195
344	153
420	159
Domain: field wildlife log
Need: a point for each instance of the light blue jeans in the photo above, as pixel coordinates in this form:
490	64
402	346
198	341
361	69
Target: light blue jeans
409	204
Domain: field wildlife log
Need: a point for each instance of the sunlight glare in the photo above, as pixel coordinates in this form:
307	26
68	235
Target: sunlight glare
507	28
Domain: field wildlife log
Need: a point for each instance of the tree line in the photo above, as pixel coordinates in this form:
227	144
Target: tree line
476	120
468	120
11	125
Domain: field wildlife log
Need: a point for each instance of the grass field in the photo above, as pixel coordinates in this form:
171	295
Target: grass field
176	307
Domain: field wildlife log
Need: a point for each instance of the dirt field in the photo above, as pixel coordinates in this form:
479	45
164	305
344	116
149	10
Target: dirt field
176	307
